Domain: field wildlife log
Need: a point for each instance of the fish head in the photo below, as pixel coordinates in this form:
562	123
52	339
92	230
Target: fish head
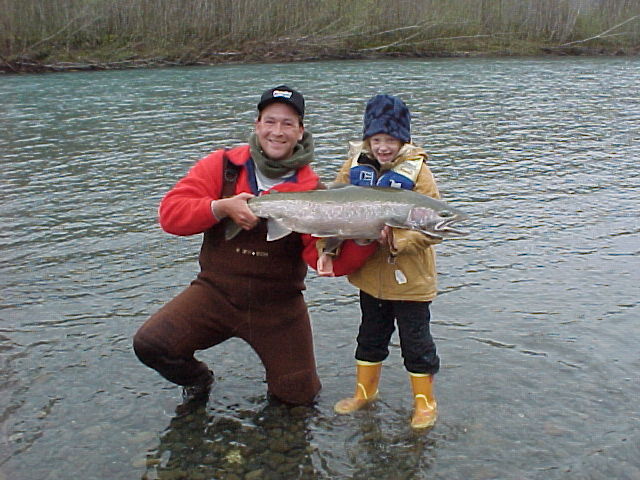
436	223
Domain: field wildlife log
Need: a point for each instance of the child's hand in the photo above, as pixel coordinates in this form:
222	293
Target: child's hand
386	236
325	266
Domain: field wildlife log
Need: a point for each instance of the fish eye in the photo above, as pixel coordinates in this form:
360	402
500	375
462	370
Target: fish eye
446	214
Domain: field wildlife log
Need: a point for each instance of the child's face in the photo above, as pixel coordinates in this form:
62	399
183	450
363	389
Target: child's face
384	147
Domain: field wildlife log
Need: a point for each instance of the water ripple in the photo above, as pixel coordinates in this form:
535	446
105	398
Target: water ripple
536	314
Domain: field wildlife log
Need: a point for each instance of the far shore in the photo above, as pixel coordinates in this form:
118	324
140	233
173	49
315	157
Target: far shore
27	64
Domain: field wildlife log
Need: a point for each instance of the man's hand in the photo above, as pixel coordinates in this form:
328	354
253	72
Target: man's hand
236	209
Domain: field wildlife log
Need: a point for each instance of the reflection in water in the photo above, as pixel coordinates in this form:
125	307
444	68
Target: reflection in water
276	442
270	444
377	453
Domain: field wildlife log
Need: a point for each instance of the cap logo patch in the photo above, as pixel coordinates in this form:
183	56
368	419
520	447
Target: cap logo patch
282	93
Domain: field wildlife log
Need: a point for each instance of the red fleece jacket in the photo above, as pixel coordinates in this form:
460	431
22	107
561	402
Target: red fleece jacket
186	208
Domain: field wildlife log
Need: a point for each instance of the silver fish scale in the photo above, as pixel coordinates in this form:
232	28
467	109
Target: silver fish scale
362	220
354	212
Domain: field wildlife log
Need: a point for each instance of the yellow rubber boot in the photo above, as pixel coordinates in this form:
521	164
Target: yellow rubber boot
367	378
425	411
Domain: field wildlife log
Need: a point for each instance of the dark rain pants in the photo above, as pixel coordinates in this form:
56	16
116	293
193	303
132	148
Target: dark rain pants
248	288
378	324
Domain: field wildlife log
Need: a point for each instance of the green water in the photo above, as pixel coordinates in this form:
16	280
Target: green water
536	323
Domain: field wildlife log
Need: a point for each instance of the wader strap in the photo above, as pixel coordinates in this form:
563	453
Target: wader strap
229	176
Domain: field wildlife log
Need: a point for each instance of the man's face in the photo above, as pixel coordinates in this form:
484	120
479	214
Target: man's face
278	129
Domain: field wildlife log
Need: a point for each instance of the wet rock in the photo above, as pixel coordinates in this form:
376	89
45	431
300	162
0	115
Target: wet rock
218	448
260	437
278	445
172	436
285	469
367	427
194	442
308	471
176	474
374	436
232	476
274	460
234	456
299	412
255	474
209	460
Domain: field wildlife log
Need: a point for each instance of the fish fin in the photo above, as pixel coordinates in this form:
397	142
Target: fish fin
231	229
397	225
276	230
323	235
331	245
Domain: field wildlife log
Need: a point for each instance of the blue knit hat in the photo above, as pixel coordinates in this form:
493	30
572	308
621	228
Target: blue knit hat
387	114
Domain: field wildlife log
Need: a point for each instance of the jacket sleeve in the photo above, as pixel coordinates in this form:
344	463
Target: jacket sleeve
349	258
426	183
186	208
408	241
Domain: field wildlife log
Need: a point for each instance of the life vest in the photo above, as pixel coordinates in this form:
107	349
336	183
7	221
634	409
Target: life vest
365	172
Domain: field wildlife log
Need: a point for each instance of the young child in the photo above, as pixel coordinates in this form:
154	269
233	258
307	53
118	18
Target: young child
397	282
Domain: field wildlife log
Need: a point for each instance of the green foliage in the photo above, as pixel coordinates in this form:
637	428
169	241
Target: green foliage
200	28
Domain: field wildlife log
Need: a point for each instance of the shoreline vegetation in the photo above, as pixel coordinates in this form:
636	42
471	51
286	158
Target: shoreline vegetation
73	35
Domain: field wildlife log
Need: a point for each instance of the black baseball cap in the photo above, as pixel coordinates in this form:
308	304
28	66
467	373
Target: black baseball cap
283	94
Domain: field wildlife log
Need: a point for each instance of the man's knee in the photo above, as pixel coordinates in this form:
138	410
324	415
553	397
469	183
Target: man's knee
146	348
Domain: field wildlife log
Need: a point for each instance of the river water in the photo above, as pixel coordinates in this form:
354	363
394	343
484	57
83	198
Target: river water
536	322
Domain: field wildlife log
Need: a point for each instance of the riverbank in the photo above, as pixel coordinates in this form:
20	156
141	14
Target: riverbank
98	60
58	35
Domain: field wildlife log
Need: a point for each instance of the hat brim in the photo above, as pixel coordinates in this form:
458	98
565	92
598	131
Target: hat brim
266	103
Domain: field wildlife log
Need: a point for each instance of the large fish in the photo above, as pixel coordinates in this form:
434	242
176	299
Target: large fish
348	211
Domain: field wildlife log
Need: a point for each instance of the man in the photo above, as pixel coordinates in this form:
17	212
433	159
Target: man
247	287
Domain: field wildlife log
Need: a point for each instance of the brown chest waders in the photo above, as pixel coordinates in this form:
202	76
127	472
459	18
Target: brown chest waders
247	288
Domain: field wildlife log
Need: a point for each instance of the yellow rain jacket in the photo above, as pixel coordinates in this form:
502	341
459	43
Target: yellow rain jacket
408	270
